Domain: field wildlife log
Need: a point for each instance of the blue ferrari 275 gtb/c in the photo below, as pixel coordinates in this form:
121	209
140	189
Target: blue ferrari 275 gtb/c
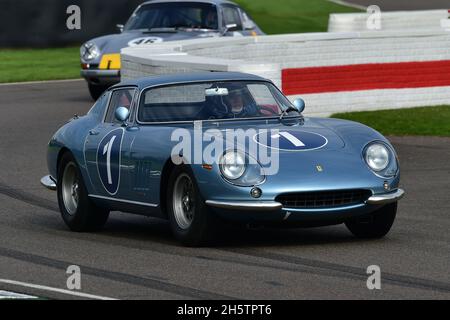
199	149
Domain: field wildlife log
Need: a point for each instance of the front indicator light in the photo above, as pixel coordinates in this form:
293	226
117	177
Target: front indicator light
256	193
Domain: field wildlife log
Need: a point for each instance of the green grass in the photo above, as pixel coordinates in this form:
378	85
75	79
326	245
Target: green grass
427	121
18	65
292	16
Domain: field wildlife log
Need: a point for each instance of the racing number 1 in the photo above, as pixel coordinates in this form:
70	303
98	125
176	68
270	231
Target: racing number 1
292	139
107	150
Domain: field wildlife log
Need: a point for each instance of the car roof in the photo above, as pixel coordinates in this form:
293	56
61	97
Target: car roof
179	78
216	2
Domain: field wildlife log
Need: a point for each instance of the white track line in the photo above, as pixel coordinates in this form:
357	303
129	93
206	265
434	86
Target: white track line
7	295
39	82
349	4
45	288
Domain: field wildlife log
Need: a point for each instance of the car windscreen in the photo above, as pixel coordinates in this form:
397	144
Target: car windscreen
174	15
211	101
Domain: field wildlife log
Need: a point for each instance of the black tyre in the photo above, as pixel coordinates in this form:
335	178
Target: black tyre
96	90
377	225
77	210
190	221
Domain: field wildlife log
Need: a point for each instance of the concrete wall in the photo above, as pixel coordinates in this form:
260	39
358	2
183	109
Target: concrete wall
333	72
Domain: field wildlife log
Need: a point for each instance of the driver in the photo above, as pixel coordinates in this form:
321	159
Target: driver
210	19
174	19
237	107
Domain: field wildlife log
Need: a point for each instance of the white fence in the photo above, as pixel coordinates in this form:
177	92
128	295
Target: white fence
333	72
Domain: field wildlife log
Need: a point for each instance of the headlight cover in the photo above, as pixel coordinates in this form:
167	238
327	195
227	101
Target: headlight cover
381	159
232	165
377	157
240	169
89	51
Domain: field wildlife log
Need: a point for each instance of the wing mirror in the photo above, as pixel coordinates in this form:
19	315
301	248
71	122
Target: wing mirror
122	114
300	105
229	27
120	27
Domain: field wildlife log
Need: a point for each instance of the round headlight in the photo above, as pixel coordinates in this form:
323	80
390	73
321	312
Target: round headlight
377	157
232	165
89	51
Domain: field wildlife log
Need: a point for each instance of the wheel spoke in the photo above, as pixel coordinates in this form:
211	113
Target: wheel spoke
183	201
70	188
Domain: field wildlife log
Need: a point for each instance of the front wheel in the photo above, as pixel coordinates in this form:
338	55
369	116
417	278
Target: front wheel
190	221
78	211
377	225
96	90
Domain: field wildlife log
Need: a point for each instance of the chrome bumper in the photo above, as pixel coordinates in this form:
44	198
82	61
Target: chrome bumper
246	205
49	182
273	206
94	73
386	198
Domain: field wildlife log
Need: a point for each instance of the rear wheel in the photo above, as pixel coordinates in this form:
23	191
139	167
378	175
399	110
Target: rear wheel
377	225
78	211
190	221
96	90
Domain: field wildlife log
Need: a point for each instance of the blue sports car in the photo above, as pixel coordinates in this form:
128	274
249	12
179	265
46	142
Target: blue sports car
200	149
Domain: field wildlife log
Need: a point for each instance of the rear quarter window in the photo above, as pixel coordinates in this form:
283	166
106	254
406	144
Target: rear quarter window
172	103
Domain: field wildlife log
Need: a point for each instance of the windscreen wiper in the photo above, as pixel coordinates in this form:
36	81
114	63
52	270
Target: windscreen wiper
286	111
196	29
161	30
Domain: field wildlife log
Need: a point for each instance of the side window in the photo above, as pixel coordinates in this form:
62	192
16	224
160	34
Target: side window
247	22
119	98
98	109
231	16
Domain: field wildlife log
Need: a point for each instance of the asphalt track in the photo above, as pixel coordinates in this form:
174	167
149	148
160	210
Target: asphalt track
137	258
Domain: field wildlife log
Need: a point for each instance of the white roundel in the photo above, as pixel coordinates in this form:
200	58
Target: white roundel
291	140
144	41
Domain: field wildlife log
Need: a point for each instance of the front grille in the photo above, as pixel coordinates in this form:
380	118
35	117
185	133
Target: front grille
323	200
